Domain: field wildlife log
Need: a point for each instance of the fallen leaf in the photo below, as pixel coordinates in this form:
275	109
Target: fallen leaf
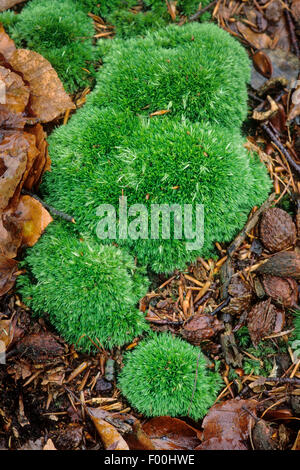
257	40
49	445
168	433
111	438
295	109
48	97
8	268
6	4
39	346
227	425
7	45
42	162
33	218
159	113
16	92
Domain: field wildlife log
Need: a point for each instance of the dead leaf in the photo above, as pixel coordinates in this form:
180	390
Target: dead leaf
48	97
295	109
33	218
8	268
10	120
39	346
227	425
168	433
7	45
159	113
257	40
13	160
6	4
171	5
42	162
110	437
296	445
16	92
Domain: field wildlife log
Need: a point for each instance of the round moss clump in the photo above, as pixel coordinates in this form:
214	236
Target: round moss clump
62	34
87	289
197	71
165	375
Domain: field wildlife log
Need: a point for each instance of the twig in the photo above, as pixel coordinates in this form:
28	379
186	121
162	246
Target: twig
281	147
203	10
51	209
292	31
221	306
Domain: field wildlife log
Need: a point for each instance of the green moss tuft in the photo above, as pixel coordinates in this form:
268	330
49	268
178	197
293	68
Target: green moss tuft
59	32
88	290
197	71
159	378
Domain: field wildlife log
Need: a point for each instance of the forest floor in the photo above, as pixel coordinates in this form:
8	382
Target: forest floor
55	397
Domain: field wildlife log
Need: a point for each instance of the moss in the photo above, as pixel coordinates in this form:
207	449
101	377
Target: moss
103	154
198	71
167	376
88	290
59	32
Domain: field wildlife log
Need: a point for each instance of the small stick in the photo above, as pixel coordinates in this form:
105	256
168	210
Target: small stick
51	209
281	147
292	31
203	10
221	306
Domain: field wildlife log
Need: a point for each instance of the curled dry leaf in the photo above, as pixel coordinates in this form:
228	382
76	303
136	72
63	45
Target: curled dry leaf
42	162
13	160
8	268
283	264
6	4
241	296
227	425
16	92
277	230
111	438
257	40
48	97
264	319
200	327
283	291
168	433
33	218
7	45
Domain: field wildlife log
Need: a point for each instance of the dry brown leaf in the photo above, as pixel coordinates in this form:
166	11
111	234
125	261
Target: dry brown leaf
111	438
9	120
33	218
42	162
257	40
7	45
49	445
10	235
263	64
13	160
227	425
295	109
168	433
48	97
161	112
16	92
6	4
8	268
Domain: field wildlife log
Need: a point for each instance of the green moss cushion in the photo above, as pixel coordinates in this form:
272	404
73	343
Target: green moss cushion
89	291
167	376
197	71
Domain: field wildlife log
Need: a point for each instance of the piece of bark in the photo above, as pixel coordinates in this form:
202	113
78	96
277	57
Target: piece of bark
283	264
232	355
264	319
241	296
283	290
201	327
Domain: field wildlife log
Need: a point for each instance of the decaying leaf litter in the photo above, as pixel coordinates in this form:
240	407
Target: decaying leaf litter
53	396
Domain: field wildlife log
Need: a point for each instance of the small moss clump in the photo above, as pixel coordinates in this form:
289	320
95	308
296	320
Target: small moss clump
89	291
167	376
61	33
